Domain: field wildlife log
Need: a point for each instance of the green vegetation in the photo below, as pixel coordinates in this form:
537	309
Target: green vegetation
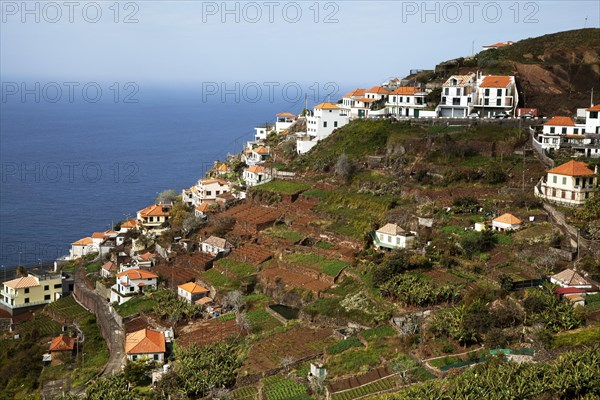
352	361
96	352
317	261
239	268
373	387
67	308
136	305
220	281
279	388
93	267
262	321
324	245
575	339
245	393
571	376
110	387
379	332
318	193
344	345
283	232
282	187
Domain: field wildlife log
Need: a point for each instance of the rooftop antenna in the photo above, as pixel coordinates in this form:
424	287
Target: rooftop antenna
473	48
585	23
592	98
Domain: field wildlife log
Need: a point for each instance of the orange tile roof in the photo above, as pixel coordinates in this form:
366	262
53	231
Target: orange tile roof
86	241
98	235
508	219
256	169
377	90
355	93
145	341
204	207
572	168
23	282
62	343
261	150
286	114
594	108
391	229
461	80
109	266
494	81
327	106
193	287
560	121
569	136
500	44
155	210
406	90
365	100
223	167
136	274
146	256
130	223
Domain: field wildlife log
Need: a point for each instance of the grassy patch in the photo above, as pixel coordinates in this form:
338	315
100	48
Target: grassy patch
317	261
380	331
94	353
344	345
220	281
285	233
318	193
262	321
283	187
245	393
279	388
136	305
324	245
67	308
373	387
352	361
240	269
577	338
93	267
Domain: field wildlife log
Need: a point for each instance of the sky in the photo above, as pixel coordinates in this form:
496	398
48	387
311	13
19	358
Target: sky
351	43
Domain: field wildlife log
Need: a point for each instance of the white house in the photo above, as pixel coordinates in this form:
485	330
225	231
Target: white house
223	169
496	94
108	269
256	155
506	222
82	248
377	93
191	292
145	344
592	120
406	102
570	278
458	96
255	175
498	45
391	236
349	101
284	120
261	132
326	117
205	191
154	216
215	245
570	184
559	131
128	225
202	210
562	126
131	282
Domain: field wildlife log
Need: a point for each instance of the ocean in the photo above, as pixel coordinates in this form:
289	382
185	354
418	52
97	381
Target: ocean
69	169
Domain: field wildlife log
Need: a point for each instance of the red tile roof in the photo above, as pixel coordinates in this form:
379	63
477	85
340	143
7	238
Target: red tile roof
129	224
560	121
327	106
494	81
572	168
377	90
145	341
86	241
136	274
594	108
156	210
286	114
193	287
62	343
355	93
256	169
406	90
508	219
23	282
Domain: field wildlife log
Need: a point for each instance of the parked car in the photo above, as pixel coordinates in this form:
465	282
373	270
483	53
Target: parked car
473	115
501	115
526	116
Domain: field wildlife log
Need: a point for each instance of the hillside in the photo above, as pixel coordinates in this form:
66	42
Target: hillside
555	72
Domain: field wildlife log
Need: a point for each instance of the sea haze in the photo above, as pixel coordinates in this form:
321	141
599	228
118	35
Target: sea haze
52	155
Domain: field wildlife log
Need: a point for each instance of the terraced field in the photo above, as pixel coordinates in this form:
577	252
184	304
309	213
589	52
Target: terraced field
371	388
279	388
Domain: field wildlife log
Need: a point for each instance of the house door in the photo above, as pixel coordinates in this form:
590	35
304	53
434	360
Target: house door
361	113
416	112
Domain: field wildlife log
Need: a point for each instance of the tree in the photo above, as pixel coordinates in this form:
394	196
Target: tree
286	363
234	299
21	271
191	223
343	167
242	322
166	196
137	372
109	387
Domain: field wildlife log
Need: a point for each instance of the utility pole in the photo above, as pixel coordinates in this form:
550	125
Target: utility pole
523	184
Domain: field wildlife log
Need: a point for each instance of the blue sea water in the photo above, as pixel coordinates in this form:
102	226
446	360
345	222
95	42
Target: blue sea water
69	169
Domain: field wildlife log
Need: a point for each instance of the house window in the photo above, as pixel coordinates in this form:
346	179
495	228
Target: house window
446	91
46	287
26	290
554	179
499	92
393	99
324	124
552	130
593	114
208	192
26	300
576	181
564	180
47	297
131	289
458	91
498	102
486	102
575	131
156	357
487	92
58	286
564	131
335	124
